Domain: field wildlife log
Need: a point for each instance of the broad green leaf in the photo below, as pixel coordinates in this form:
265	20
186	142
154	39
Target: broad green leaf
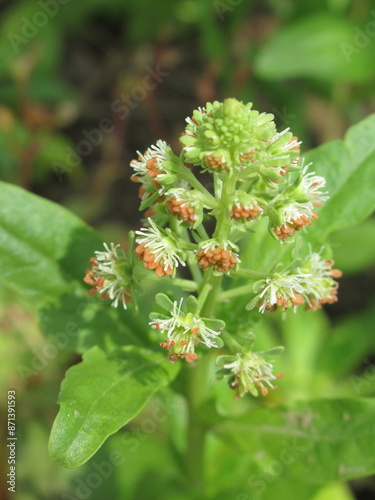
349	344
78	322
149	469
43	247
354	249
317	47
304	337
314	441
349	168
231	475
102	394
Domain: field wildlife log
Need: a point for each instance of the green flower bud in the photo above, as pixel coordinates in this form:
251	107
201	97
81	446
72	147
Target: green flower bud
226	136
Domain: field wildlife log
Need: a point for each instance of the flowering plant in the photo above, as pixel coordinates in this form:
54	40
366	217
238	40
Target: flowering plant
232	260
257	175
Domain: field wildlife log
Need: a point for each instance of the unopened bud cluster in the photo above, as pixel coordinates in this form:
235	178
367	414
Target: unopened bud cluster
257	175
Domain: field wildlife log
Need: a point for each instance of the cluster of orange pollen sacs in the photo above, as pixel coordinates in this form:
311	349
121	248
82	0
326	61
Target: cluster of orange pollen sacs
222	260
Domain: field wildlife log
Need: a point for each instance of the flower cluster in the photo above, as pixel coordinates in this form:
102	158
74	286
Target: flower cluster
221	255
159	250
293	209
109	275
186	204
322	287
244	207
259	181
249	372
226	136
312	283
184	331
154	169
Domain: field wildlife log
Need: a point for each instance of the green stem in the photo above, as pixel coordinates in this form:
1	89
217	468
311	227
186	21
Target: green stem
191	262
188	285
231	342
209	291
208	309
236	292
196	432
188	176
250	274
223	224
202	297
194	269
202	232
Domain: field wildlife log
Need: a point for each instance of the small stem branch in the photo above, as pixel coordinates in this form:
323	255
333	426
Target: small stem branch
250	274
202	232
194	269
203	296
231	342
188	285
236	292
195	435
188	176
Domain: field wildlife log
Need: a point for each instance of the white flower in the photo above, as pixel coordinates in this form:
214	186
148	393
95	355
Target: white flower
282	291
158	151
251	371
295	212
158	251
294	217
106	278
320	286
311	186
184	332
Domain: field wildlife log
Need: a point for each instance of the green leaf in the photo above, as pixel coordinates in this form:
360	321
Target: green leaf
231	475
43	247
316	47
102	394
314	441
164	301
349	168
304	335
349	344
354	250
78	322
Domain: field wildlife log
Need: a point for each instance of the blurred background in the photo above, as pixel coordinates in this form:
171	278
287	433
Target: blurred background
84	85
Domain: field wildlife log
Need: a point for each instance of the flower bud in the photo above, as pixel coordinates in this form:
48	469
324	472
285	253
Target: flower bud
244	207
186	204
225	136
220	255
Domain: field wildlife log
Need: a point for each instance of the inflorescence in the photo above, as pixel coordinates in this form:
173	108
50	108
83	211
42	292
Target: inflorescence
259	178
